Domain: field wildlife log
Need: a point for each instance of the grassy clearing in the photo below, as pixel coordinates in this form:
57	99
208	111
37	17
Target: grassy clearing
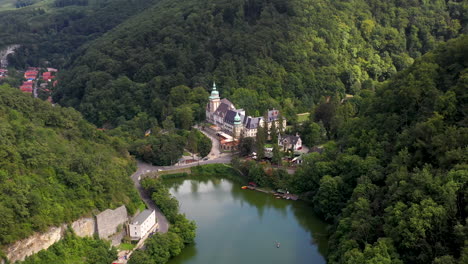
302	117
176	171
174	175
11	4
126	246
7	5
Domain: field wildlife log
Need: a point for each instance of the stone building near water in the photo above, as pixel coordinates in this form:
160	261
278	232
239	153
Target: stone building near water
224	115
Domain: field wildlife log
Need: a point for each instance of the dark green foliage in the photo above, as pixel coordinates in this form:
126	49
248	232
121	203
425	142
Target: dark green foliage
160	195
263	54
55	167
159	149
197	142
246	146
221	170
72	249
49	34
148	142
266	177
395	182
174	175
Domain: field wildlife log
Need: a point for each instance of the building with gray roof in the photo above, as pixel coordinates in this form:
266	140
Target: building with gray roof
222	113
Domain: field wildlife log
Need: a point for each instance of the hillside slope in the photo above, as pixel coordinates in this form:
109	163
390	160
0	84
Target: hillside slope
395	183
50	31
55	167
262	53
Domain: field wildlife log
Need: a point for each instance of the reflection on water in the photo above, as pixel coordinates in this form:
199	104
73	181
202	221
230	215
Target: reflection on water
242	226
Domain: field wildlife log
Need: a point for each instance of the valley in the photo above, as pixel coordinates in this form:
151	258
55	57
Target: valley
358	107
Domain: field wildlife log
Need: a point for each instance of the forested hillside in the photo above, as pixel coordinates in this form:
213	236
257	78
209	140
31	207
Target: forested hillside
262	53
50	31
55	167
395	180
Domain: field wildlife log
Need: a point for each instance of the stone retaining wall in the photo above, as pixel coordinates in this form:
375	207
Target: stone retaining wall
109	220
104	224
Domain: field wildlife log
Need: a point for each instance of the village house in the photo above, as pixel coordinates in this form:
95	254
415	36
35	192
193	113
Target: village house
142	224
47	76
27	87
3	73
226	118
289	142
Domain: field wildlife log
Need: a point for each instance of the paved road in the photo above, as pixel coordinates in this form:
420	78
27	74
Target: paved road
144	168
162	220
214	153
215	156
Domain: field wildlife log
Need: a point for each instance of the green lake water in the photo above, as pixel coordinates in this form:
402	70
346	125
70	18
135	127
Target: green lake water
242	226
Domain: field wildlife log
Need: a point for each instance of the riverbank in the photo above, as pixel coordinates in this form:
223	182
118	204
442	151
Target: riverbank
287	195
225	171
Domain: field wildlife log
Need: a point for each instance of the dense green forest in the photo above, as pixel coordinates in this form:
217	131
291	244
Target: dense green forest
262	53
50	32
55	167
394	177
160	144
73	249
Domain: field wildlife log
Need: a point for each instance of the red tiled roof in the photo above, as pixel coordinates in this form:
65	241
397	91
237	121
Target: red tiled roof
26	89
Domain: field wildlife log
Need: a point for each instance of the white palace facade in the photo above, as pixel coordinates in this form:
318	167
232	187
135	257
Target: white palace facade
228	119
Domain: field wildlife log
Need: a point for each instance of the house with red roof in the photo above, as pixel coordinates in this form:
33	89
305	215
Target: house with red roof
30	75
47	76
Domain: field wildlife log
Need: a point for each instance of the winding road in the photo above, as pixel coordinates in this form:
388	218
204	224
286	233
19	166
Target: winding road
215	156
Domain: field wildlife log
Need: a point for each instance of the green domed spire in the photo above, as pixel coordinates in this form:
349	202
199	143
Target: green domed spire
214	92
237	119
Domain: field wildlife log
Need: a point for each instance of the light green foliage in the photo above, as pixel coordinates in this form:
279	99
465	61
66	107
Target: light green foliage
55	167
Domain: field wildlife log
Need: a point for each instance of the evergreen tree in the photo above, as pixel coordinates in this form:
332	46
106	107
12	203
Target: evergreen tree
260	141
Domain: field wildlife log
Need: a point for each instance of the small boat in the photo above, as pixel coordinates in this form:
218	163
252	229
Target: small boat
278	197
244	187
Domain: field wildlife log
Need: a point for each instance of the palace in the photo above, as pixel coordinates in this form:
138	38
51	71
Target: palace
228	119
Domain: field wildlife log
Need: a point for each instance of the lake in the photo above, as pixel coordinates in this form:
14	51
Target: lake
243	226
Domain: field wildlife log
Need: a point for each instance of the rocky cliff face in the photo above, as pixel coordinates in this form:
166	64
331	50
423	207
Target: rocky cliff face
84	227
4	54
39	241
